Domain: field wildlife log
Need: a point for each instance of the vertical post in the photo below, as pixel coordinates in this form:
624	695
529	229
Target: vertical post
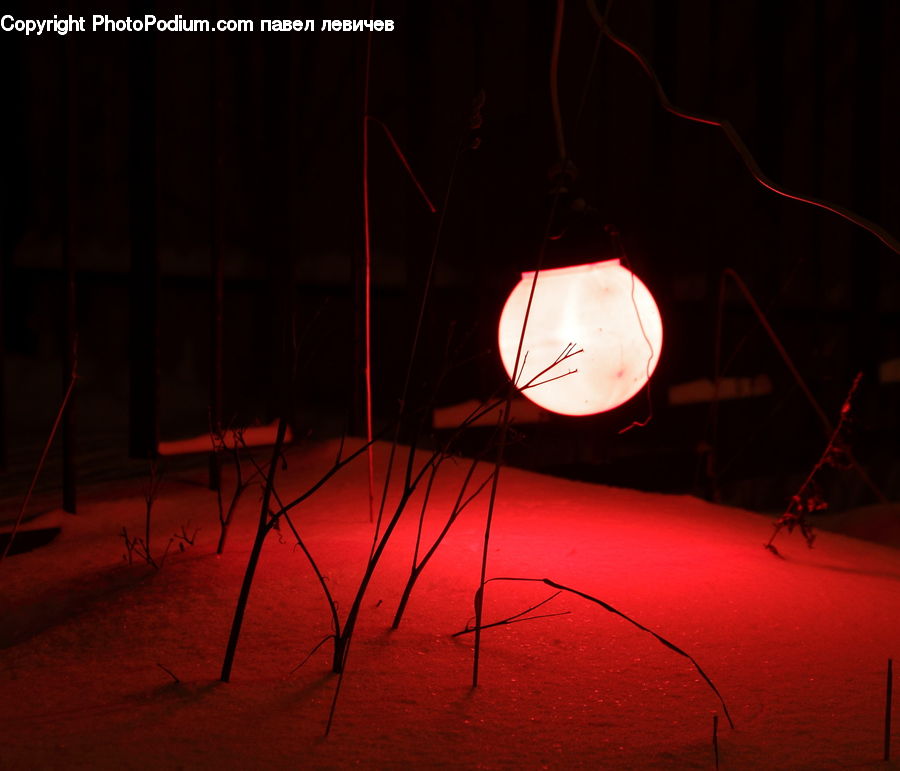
144	326
217	268
70	323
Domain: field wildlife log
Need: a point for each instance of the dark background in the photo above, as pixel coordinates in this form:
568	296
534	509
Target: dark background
136	156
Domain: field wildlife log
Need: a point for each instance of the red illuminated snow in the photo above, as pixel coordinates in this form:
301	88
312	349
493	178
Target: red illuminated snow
797	647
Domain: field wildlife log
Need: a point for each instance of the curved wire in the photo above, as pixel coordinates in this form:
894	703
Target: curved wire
554	83
734	138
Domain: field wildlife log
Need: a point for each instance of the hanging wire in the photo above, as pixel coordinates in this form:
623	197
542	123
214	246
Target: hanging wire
648	371
554	84
734	138
595	53
566	165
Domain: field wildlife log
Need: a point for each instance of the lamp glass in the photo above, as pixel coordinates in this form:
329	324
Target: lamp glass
601	308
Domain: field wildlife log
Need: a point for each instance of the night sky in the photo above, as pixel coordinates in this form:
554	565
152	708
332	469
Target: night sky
140	156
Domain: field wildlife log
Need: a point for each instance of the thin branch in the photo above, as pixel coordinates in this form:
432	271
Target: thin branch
807	499
425	499
551	379
43	458
316	647
169	672
458	507
325	477
517	616
509	621
405	163
504	424
567	354
606	606
262	531
332	605
414	348
827	426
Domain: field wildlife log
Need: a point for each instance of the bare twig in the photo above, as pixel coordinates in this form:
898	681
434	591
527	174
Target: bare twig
808	499
183	537
241	483
509	621
458	508
606	606
332	605
150	496
262	531
827	426
168	671
141	546
506	417
463	145
411	482
516	618
316	647
43	458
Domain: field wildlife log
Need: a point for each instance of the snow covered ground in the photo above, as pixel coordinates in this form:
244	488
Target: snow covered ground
92	647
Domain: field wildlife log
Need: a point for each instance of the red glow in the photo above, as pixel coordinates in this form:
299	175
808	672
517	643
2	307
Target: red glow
606	313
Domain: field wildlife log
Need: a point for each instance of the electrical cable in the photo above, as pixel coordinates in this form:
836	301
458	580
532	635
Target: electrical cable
623	257
590	75
738	144
554	84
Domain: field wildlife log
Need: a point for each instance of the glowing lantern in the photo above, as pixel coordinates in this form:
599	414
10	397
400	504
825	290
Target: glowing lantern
601	309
